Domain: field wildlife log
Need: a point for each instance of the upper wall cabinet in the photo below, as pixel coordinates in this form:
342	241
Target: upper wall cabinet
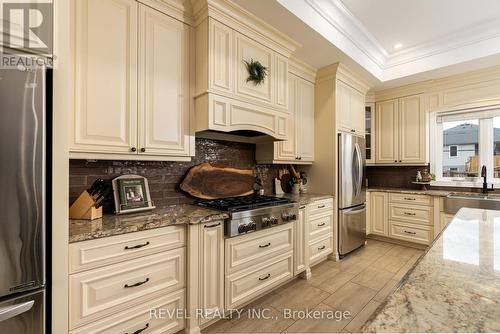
132	74
299	148
401	131
350	109
226	97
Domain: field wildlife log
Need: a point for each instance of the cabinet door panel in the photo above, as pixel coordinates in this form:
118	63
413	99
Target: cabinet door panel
212	254
287	150
280	78
301	245
378	214
343	106
305	120
164	84
105	118
221	53
386	119
412	130
248	50
358	111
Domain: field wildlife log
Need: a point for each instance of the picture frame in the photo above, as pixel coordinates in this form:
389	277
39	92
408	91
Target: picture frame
131	194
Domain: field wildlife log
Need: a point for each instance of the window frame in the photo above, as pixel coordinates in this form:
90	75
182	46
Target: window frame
456	152
485	141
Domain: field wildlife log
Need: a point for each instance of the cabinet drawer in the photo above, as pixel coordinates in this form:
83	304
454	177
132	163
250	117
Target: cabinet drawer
410	199
411	214
99	252
139	317
319	226
101	292
242	252
321	207
248	284
411	232
320	248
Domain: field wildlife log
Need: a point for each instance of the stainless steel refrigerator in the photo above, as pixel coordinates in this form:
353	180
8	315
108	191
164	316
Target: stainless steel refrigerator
351	194
22	200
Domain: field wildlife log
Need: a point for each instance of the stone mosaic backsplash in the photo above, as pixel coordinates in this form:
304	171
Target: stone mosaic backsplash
164	177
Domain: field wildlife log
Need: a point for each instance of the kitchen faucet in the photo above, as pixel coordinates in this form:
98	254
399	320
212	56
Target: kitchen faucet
485	184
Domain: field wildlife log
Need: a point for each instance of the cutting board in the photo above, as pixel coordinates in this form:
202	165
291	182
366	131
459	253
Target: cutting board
212	181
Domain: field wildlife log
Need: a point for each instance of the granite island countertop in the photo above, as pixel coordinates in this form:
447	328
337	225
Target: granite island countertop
455	286
305	198
109	225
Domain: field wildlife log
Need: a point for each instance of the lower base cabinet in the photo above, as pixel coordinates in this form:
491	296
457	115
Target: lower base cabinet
156	316
130	275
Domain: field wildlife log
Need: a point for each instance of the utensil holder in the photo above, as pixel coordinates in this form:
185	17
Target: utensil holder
84	208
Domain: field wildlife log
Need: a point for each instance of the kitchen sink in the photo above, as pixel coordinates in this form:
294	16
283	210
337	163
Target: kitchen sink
455	201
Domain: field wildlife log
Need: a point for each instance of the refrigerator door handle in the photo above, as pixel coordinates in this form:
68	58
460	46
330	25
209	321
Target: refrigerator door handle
359	170
355	212
10	312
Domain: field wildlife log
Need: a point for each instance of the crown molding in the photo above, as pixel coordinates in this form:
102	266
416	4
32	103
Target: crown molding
339	26
301	69
245	22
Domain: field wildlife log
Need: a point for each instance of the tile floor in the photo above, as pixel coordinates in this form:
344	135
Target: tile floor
358	284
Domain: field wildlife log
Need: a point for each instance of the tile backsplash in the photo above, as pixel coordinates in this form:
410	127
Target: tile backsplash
164	177
393	176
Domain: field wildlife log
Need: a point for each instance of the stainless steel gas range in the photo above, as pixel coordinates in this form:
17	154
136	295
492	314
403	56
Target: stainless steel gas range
253	213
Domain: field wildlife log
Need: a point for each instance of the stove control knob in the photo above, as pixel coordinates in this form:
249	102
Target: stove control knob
274	220
266	222
252	226
242	228
285	216
293	216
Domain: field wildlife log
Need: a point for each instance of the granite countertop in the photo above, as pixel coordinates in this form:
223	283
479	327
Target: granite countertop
109	225
455	286
306	198
441	193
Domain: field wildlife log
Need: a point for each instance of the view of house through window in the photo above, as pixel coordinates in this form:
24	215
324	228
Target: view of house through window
461	148
496	147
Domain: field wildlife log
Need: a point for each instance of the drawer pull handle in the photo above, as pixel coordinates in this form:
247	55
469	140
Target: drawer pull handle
137	246
410	199
136	284
322	224
141	330
321	206
322	247
409	232
266	245
210	226
302	207
265	277
410	214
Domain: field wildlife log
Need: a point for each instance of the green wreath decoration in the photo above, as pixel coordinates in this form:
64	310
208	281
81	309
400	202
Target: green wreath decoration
256	71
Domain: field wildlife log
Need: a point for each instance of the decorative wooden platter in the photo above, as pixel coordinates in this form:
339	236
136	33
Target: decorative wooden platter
213	181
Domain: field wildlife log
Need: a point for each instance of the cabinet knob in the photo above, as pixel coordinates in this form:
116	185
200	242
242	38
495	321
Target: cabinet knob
143	150
395	161
400	161
133	149
352	130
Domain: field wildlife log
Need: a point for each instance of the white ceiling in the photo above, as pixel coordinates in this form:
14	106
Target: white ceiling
439	37
416	22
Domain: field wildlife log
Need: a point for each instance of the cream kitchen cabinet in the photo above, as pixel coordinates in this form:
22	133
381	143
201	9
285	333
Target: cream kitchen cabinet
205	272
112	276
225	100
350	109
299	148
132	75
300	250
401	216
379	223
401	131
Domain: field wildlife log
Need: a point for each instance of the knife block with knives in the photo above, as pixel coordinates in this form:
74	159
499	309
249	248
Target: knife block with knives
84	208
89	204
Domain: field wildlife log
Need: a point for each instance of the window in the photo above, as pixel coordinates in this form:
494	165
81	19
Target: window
453	151
462	142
